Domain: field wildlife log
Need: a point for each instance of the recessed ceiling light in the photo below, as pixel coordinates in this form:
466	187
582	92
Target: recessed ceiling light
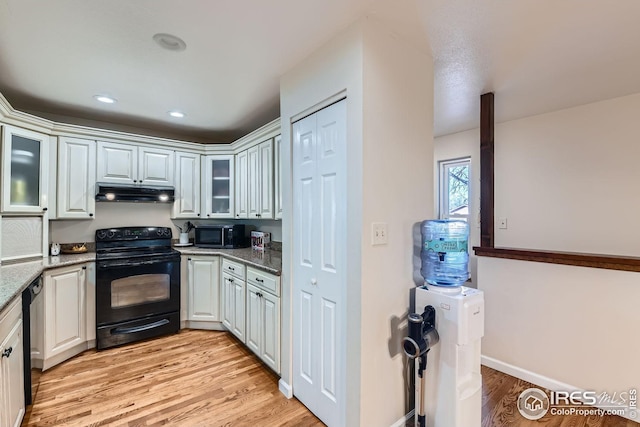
105	99
169	42
177	114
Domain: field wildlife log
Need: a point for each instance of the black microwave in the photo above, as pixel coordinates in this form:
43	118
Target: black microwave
221	236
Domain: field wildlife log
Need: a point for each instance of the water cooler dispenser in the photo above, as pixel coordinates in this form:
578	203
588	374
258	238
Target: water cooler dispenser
445	331
452	395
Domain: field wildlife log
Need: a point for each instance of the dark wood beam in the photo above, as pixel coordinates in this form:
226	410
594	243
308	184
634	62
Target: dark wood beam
486	171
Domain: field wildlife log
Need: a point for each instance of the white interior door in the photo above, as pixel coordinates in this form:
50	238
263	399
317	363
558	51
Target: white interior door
319	272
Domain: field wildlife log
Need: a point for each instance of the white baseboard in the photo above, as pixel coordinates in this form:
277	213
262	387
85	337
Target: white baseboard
537	379
402	421
285	389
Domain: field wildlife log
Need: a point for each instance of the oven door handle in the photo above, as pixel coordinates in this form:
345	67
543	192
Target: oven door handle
134	329
136	264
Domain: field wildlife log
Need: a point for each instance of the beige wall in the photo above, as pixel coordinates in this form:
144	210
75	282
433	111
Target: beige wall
397	189
389	91
334	68
565	180
568	180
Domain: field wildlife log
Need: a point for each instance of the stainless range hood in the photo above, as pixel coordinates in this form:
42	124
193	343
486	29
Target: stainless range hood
108	192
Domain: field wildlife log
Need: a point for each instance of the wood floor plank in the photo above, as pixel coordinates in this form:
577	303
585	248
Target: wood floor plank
209	379
193	378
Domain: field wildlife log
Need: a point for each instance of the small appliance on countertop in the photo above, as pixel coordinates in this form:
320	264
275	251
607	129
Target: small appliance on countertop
223	236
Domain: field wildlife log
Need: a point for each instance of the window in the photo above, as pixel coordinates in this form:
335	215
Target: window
454	188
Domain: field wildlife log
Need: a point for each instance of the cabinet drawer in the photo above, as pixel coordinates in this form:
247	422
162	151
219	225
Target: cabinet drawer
263	280
234	268
9	317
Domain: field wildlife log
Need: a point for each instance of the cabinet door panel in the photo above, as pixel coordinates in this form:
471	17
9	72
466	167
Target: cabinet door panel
238	289
227	301
117	163
155	166
65	312
253	183
219	191
242	184
76	178
25	170
266	180
271	331
187	204
11	378
204	303
253	326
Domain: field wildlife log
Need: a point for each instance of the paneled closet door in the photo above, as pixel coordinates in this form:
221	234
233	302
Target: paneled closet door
319	272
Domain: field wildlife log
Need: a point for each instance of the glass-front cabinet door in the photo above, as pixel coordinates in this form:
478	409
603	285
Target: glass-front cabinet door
218	194
25	160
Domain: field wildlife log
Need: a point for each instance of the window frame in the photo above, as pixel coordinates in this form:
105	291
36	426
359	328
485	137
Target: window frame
443	187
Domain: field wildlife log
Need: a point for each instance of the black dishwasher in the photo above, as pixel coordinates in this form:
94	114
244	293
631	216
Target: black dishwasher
31	375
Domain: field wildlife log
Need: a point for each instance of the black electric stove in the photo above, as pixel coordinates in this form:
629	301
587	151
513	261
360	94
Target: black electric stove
137	285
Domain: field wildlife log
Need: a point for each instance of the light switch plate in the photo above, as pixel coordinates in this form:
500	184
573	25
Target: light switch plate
502	223
378	233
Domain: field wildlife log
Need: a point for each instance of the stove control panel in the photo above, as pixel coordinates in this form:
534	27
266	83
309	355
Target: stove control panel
132	233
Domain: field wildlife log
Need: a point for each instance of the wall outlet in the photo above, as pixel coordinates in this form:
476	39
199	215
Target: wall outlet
378	233
502	223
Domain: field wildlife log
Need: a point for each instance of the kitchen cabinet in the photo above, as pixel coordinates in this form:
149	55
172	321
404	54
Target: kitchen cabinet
132	164
260	180
277	166
65	314
187	204
204	289
263	316
12	405
254	180
233	298
242	184
218	186
25	170
76	178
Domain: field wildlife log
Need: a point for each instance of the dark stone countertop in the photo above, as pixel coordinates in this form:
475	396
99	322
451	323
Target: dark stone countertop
268	260
15	277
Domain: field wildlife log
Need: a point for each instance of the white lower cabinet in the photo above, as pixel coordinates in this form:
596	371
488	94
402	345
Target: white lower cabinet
11	366
233	290
263	317
65	314
204	289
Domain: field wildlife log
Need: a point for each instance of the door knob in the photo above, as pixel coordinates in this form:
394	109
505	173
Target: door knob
314	282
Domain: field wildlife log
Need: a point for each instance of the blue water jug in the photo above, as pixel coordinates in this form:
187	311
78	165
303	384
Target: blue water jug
445	256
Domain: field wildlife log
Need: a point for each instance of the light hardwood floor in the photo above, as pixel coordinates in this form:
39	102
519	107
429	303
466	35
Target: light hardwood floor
202	378
193	378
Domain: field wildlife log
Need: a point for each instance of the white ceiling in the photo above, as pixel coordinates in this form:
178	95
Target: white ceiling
536	55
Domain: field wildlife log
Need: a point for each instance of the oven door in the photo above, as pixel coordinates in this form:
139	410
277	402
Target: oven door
132	289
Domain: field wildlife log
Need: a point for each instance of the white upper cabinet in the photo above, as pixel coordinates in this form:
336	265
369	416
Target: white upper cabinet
242	184
277	166
131	164
155	166
76	178
25	170
259	181
187	204
218	186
